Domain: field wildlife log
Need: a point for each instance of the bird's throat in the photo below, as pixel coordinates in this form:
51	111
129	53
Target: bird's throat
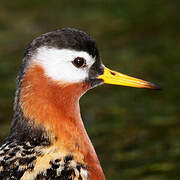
55	107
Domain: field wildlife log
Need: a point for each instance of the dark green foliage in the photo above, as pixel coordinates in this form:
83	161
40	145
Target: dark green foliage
136	132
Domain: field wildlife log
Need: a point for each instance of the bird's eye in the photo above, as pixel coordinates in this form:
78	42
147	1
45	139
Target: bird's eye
79	62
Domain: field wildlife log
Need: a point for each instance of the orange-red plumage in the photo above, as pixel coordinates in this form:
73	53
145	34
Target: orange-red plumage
55	106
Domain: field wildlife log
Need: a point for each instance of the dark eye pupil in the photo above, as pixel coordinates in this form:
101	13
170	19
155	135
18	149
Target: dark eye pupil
79	62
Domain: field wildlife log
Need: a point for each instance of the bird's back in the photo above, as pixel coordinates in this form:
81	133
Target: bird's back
26	161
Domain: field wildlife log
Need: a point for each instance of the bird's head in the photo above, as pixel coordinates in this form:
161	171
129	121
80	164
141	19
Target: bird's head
70	56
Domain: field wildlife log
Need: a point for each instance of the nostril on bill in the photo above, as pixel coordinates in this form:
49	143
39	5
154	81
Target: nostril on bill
113	73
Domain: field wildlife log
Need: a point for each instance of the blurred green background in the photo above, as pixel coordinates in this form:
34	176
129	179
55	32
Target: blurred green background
136	132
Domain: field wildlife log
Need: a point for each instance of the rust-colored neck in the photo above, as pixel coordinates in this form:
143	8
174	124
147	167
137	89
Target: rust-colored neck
56	107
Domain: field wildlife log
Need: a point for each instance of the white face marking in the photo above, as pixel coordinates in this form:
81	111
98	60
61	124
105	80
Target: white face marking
57	64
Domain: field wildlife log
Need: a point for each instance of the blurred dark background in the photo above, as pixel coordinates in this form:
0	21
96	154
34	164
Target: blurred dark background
136	132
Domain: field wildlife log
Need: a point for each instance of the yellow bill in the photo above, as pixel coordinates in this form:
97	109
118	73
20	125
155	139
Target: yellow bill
113	77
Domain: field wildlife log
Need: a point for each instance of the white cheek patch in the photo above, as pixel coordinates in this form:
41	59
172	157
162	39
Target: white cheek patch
57	64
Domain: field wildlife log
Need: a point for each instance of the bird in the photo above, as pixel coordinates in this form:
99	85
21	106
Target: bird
47	139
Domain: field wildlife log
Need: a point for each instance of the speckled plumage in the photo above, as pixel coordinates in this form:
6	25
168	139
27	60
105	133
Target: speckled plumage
20	161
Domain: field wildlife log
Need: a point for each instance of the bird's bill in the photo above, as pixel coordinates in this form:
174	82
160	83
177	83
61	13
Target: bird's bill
113	77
